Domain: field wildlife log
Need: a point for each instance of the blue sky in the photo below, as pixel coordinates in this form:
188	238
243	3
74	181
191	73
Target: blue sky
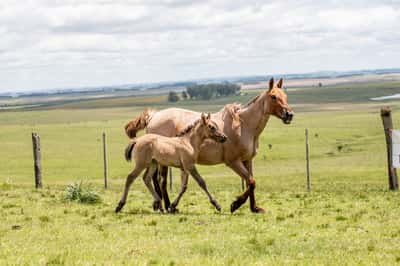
71	43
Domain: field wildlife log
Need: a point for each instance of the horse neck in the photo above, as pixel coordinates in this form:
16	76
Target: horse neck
253	118
196	137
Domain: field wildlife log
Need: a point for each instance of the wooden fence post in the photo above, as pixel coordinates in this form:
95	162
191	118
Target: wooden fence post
105	160
387	127
37	157
308	162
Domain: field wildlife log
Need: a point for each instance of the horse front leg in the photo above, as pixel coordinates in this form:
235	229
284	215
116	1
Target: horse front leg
253	207
129	180
184	182
239	168
202	183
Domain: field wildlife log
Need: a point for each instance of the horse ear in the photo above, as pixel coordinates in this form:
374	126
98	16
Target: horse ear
203	118
208	116
137	122
271	84
279	85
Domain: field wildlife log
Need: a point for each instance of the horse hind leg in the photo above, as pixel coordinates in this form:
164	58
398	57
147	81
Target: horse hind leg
163	170
156	183
129	180
147	178
202	183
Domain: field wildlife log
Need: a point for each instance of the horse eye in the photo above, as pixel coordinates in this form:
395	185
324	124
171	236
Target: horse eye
273	97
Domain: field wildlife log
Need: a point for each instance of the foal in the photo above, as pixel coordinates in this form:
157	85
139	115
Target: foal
180	152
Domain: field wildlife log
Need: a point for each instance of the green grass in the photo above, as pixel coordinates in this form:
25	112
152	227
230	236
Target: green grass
350	217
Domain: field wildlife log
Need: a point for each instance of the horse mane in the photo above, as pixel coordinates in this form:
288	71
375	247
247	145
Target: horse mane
232	110
252	101
188	129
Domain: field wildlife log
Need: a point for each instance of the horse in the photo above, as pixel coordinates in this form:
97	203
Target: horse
181	152
241	124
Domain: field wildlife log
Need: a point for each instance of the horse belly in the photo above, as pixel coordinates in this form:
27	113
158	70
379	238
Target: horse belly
166	154
211	153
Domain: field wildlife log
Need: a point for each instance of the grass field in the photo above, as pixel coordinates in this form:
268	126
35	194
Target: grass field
350	217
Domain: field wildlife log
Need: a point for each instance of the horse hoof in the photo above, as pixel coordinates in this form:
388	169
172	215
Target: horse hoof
119	207
216	205
234	206
157	206
173	210
258	210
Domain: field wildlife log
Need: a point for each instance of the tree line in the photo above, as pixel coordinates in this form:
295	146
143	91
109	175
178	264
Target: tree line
205	91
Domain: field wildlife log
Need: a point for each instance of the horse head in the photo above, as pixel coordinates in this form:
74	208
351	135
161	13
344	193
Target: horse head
211	129
276	102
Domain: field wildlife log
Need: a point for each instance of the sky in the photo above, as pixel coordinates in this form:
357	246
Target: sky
77	43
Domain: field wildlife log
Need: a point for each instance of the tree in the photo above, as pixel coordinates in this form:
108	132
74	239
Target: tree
173	97
208	91
184	95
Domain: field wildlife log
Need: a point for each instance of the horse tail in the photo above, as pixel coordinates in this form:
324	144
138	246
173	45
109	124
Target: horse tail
128	150
139	123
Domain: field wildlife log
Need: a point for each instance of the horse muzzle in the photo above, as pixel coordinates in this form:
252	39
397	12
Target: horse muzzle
222	138
287	117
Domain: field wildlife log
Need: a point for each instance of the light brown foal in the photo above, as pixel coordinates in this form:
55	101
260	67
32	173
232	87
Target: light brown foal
181	152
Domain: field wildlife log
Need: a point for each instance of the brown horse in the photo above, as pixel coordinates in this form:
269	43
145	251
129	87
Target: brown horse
181	152
241	124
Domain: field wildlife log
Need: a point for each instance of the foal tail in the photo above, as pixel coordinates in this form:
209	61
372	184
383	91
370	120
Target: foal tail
139	123
128	150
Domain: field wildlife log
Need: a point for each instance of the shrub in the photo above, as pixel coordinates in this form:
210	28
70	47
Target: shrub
173	96
82	193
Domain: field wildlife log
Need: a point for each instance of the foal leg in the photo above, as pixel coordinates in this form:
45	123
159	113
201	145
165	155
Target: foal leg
241	170
203	185
164	191
147	180
129	180
184	181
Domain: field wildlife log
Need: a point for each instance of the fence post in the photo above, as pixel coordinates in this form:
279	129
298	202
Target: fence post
105	160
37	158
387	127
308	162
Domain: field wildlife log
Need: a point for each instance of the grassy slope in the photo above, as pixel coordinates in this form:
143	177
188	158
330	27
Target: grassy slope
348	218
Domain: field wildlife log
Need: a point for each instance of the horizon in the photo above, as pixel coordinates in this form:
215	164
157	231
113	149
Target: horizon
93	44
267	76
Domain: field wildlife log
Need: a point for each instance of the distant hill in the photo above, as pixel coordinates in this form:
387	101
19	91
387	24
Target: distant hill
180	84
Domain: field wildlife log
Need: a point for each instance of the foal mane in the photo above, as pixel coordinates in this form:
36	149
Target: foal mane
188	129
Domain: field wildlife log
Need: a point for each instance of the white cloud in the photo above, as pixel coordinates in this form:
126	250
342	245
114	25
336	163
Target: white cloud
78	43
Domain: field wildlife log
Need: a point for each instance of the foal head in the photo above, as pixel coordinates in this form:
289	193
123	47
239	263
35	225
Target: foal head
276	102
210	129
